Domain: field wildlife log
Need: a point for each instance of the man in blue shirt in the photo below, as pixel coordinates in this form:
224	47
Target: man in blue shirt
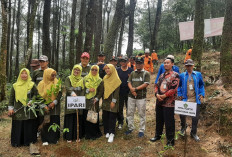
191	89
162	69
123	73
101	63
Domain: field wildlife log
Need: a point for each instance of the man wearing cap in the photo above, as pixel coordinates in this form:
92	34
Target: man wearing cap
166	92
37	75
123	72
154	58
148	65
191	89
137	83
162	69
85	64
114	61
101	63
34	64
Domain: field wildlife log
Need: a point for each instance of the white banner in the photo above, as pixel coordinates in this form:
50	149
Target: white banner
77	102
185	108
213	27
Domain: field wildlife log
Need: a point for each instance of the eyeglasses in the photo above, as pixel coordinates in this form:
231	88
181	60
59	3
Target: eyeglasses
53	75
77	70
93	69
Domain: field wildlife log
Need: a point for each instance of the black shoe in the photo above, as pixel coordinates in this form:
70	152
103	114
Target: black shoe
156	138
170	144
195	137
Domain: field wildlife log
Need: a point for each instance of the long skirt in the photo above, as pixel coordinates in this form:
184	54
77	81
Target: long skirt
92	131
23	132
70	122
51	136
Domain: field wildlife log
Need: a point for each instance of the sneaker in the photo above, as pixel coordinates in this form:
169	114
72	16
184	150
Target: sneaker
182	130
120	126
69	141
141	134
195	137
111	138
128	132
107	135
45	144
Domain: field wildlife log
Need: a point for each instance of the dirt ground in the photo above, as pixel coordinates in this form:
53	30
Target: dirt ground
212	143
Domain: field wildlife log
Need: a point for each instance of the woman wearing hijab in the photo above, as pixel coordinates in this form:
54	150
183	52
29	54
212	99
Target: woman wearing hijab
91	82
50	91
74	87
24	127
110	107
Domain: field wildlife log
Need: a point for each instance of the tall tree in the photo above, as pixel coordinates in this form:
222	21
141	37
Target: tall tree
58	37
72	35
3	53
17	38
153	44
79	40
46	43
8	40
98	30
90	24
12	42
108	10
114	28
226	46
129	50
198	40
31	30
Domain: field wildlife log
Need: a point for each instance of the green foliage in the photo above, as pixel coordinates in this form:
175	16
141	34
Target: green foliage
56	127
63	73
53	91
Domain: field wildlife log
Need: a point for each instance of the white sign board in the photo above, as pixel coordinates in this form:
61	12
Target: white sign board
185	108
77	102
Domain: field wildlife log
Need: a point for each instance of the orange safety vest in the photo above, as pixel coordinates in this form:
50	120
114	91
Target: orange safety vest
129	65
154	56
148	65
188	55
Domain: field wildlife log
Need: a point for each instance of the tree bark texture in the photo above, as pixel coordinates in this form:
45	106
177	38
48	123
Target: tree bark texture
129	50
17	38
46	43
72	35
226	46
79	40
3	53
153	44
198	40
114	28
98	31
90	24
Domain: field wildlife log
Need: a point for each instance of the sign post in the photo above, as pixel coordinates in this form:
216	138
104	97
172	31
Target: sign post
76	103
185	108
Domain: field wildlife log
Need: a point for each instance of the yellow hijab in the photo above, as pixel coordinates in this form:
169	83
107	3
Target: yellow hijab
22	87
92	82
46	84
111	82
76	81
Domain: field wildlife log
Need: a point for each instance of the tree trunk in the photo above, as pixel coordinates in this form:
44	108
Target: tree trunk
79	40
198	40
103	22
58	37
129	50
64	32
8	41
46	43
226	46
12	42
98	29
17	39
149	20
54	32
114	28
90	24
72	35
108	10
3	53
39	34
153	44
121	35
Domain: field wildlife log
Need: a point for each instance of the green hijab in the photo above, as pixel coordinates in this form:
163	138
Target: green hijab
76	81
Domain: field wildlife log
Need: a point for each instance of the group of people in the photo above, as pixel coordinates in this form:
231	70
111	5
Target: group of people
107	85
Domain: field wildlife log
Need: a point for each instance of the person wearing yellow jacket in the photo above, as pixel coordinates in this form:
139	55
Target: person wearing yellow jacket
148	65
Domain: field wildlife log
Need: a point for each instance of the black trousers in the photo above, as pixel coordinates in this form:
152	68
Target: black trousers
123	98
194	121
165	115
109	121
